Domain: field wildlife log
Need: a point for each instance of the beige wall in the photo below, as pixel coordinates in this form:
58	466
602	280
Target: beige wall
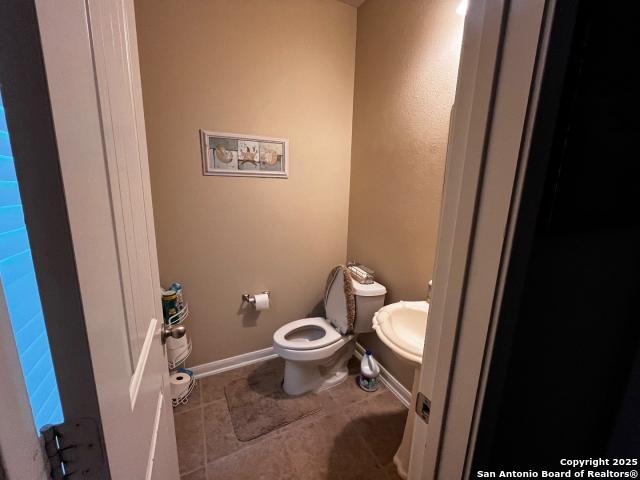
282	68
406	65
285	68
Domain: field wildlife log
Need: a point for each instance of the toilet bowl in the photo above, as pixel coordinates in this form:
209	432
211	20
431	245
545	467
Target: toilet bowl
316	350
315	355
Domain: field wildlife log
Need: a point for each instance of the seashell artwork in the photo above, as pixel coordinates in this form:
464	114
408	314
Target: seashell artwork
244	155
270	155
223	155
269	158
248	155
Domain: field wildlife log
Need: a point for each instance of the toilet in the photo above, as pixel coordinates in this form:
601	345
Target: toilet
316	350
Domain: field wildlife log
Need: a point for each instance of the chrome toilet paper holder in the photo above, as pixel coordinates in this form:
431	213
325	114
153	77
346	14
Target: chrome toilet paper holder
249	298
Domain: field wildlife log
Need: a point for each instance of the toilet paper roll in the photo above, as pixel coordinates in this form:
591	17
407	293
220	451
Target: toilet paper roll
262	301
176	356
179	384
177	343
176	348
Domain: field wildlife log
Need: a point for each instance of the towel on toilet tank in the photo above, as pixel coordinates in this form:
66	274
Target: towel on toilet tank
339	300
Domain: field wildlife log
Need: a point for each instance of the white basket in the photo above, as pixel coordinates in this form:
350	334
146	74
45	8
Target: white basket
179	317
184	398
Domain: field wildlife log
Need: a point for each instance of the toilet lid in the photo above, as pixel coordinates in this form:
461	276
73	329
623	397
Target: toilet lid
306	334
339	300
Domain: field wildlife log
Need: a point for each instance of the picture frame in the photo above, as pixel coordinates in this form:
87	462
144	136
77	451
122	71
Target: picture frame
238	155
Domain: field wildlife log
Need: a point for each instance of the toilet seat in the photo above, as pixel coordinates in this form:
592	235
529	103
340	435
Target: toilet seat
306	334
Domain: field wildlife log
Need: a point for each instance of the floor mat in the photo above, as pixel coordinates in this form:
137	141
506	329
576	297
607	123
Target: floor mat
258	405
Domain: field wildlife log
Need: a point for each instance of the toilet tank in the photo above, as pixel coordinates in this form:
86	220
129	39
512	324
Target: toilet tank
369	299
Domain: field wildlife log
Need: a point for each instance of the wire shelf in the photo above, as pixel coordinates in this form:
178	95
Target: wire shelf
184	398
179	317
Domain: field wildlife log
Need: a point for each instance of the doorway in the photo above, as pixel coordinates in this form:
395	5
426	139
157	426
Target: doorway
109	225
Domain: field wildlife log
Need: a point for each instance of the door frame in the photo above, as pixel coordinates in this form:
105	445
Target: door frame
37	163
21	453
503	51
548	88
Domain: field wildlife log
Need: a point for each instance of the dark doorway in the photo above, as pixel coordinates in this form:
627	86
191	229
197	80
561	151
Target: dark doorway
564	379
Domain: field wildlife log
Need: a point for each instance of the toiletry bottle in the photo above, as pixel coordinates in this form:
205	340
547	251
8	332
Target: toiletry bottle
169	307
369	373
177	287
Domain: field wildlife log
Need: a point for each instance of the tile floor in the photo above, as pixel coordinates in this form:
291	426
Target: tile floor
354	436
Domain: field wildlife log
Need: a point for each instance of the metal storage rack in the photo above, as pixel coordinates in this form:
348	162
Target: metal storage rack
179	361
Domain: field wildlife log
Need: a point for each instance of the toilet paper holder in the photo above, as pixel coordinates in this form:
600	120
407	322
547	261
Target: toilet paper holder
249	298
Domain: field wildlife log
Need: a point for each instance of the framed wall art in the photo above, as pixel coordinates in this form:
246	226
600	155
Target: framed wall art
232	154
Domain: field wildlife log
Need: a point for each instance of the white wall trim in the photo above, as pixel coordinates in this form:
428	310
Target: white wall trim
249	358
388	380
231	363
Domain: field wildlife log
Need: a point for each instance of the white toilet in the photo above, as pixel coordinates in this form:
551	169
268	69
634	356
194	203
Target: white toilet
316	350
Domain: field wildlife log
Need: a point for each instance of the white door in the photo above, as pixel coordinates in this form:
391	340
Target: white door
91	60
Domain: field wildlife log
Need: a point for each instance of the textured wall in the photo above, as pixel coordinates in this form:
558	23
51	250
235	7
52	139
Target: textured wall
406	66
285	68
281	68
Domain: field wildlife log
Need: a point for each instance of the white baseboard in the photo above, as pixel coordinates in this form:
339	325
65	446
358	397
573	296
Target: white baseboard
232	363
389	381
238	361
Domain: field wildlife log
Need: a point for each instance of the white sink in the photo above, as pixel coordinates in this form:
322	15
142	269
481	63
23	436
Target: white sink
402	327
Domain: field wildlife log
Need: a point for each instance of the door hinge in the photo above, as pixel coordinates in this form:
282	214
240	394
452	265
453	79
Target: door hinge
423	407
74	449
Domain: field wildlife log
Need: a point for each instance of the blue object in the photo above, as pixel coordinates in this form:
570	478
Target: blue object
21	293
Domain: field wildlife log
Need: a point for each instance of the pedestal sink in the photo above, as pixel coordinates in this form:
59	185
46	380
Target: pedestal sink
402	327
